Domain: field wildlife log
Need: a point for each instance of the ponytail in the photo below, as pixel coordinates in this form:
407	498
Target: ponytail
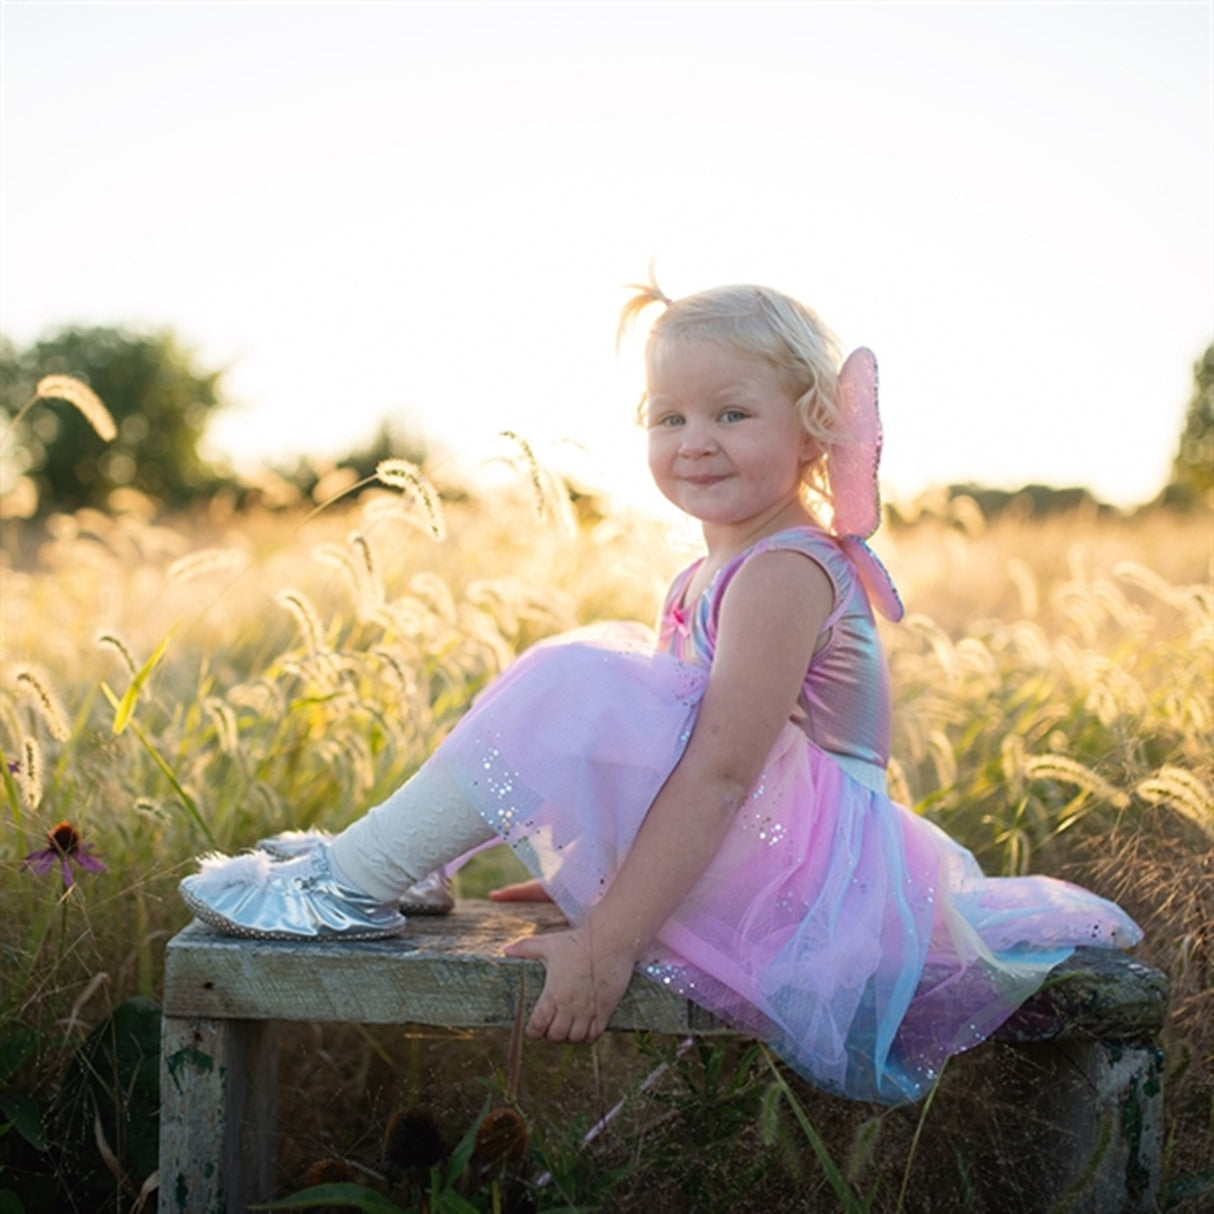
645	295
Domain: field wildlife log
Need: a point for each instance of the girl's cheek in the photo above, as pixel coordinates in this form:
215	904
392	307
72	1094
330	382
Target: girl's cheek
659	445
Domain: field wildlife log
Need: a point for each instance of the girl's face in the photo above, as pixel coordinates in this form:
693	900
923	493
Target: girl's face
725	442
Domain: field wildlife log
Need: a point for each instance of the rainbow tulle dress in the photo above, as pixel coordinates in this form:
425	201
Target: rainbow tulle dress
855	937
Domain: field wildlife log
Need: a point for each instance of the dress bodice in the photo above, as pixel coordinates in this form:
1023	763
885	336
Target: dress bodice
844	705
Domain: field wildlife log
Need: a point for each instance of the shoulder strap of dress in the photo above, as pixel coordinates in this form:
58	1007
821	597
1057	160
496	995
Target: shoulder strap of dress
820	547
814	543
830	550
675	591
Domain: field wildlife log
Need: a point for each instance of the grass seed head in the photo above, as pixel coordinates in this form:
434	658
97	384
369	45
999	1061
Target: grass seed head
360	544
337	558
1182	790
403	475
116	643
225	724
206	560
305	616
34	685
534	475
77	393
31	772
1069	771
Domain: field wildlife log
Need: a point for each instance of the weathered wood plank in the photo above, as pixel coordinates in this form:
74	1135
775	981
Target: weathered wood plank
449	970
1097	992
1086	1119
191	1117
218	1081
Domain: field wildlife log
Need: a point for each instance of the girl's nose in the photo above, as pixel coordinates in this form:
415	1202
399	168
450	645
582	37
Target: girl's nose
696	439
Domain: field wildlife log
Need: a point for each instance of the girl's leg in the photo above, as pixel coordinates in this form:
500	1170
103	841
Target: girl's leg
349	887
423	825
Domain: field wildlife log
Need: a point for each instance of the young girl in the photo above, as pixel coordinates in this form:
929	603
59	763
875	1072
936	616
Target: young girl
713	810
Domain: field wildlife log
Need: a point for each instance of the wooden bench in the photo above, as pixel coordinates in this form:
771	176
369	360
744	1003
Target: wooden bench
1096	1071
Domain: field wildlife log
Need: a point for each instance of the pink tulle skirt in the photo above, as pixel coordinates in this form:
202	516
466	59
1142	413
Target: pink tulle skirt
855	937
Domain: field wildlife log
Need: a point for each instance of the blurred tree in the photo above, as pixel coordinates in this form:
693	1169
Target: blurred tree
321	478
1193	466
392	440
158	396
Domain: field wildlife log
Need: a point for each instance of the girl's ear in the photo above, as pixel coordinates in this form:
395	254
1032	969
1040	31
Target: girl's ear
811	450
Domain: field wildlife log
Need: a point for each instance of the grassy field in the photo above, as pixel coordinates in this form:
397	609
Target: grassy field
173	686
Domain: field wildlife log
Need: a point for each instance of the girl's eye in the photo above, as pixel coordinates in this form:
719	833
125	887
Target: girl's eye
733	415
666	421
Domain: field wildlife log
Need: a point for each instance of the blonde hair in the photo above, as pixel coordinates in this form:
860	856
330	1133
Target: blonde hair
770	325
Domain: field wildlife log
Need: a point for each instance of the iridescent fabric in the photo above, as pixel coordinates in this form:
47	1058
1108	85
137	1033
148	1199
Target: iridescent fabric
858	939
845	697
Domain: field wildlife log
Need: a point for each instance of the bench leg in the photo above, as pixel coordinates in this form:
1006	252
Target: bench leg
1097	1109
217	1115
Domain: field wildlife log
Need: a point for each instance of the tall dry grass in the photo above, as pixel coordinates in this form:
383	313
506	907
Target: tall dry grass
172	686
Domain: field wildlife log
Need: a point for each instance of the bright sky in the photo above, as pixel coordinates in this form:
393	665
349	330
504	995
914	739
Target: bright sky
429	210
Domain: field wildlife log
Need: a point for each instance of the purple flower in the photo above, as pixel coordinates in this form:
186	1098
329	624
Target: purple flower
66	848
13	767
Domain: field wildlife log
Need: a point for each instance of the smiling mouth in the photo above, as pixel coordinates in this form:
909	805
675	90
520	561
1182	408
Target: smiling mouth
705	480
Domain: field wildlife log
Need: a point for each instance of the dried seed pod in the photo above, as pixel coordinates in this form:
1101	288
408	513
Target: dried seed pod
330	1170
502	1138
412	1142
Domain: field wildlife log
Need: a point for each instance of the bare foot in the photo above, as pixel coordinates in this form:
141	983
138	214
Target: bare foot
523	891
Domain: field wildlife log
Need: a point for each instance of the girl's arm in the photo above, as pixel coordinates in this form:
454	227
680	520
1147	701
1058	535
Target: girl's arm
771	616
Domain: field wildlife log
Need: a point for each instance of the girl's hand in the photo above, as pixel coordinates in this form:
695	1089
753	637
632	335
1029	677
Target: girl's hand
582	986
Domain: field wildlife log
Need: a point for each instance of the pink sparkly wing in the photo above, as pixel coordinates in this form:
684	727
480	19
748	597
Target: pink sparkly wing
853	465
882	593
855	495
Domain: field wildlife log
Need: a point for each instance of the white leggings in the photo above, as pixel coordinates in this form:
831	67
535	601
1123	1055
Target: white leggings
424	824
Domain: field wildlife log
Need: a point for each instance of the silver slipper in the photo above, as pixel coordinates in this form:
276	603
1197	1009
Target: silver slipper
265	899
431	895
288	844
